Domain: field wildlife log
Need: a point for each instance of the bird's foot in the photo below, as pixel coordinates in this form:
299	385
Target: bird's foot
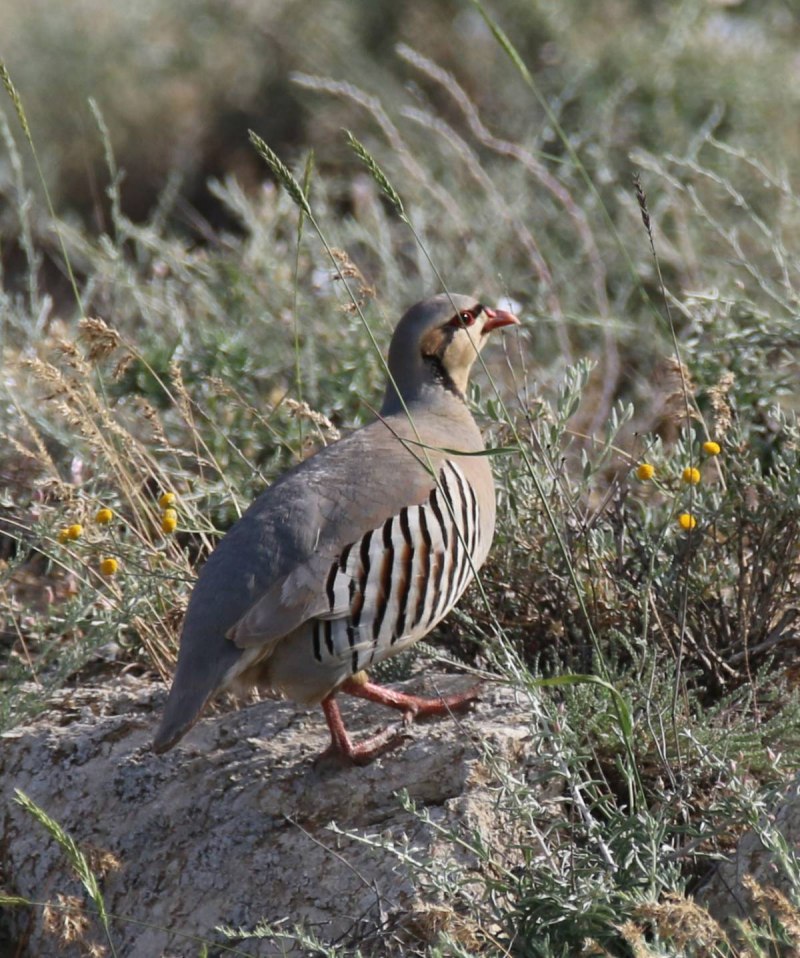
343	752
412	706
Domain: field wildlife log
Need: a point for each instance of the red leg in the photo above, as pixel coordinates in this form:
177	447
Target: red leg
342	749
412	706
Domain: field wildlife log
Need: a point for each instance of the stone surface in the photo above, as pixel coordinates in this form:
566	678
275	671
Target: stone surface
724	893
233	826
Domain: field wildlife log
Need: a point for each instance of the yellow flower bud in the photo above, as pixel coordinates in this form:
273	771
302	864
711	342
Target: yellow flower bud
691	475
712	448
63	534
169	521
104	516
687	521
108	566
166	499
645	471
75	531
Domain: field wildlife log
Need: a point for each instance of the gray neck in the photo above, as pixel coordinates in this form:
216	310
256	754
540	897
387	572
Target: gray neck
431	396
427	381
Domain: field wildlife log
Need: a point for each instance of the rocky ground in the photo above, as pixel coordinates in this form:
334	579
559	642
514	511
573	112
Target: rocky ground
232	826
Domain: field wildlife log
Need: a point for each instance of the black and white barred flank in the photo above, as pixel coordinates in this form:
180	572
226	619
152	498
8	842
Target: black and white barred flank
392	586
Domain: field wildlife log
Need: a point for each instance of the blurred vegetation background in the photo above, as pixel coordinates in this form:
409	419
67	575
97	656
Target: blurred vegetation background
179	84
676	87
698	93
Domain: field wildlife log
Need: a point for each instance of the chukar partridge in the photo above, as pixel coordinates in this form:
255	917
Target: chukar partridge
356	553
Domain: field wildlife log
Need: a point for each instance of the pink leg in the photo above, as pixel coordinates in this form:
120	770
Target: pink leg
342	749
412	706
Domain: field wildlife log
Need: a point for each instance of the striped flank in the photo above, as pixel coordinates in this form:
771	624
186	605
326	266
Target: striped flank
390	588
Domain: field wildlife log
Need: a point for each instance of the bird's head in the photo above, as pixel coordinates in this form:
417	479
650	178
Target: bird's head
435	344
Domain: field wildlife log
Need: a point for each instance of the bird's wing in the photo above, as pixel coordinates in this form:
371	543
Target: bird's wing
339	501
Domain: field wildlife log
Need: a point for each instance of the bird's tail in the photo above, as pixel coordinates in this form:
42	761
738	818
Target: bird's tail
195	683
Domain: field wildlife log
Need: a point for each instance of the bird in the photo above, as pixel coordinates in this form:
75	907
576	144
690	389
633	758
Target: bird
355	553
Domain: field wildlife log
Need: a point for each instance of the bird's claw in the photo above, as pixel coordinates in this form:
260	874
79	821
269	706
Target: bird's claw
344	753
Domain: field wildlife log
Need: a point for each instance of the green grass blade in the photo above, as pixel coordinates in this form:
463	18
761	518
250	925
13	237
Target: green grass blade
75	857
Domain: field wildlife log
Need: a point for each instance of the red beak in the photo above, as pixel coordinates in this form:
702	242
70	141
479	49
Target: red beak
496	318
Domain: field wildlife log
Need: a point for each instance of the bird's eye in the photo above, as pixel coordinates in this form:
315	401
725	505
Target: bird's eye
466	318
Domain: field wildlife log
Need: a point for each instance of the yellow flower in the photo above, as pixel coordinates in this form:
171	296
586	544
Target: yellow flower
108	566
712	448
166	499
645	471
75	531
104	516
169	521
687	521
691	475
63	534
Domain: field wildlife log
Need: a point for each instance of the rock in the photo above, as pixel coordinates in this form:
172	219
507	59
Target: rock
232	826
725	894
